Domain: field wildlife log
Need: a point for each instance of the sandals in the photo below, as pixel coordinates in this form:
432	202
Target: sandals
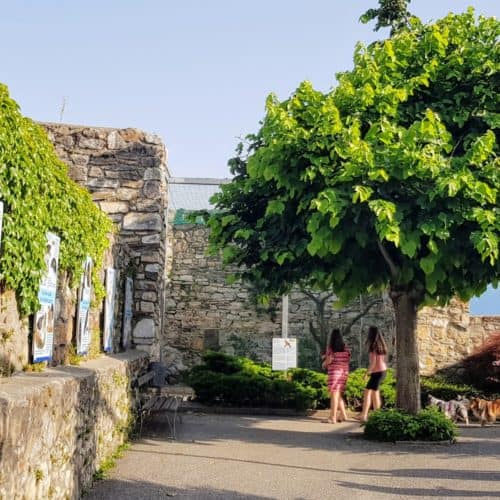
328	421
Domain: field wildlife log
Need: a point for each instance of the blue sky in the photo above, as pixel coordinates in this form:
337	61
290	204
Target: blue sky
194	72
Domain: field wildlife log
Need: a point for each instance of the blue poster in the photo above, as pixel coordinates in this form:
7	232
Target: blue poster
43	324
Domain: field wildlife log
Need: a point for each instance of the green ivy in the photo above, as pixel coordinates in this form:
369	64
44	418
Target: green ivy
39	196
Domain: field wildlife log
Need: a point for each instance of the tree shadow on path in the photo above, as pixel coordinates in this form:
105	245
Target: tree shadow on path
143	490
209	430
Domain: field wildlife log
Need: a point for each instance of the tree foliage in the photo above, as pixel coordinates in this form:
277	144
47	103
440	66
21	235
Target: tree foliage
39	197
393	13
391	179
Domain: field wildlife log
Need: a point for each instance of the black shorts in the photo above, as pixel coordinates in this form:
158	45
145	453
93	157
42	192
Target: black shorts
376	379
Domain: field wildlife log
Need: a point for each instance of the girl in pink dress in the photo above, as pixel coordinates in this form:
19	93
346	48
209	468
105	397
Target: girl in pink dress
337	362
377	370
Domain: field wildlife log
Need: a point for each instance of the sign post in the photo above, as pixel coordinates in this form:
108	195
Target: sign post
109	309
83	318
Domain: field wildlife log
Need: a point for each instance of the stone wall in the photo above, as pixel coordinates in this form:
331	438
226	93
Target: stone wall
13	335
204	312
449	334
59	426
125	171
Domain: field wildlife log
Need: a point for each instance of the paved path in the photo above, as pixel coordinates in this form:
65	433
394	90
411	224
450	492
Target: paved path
241	457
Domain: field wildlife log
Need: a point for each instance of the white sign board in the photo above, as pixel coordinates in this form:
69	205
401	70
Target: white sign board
127	312
109	309
43	324
284	353
83	318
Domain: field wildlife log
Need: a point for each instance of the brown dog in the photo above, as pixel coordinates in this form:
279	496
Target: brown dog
484	410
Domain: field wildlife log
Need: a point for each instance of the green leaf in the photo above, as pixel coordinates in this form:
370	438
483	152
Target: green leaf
428	263
275	207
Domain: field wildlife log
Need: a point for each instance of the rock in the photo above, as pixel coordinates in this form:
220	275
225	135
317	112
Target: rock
115	140
144	329
138	221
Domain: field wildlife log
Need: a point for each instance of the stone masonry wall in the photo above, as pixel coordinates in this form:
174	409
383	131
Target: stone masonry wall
125	171
13	335
59	426
204	312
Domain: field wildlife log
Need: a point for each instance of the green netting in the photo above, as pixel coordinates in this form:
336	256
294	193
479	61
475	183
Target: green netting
182	217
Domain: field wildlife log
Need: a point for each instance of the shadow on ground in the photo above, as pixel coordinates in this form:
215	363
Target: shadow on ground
113	489
210	429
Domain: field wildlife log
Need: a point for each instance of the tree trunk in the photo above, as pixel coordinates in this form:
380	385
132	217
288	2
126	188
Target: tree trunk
407	364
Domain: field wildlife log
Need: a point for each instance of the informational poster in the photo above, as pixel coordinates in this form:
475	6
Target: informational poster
109	309
127	312
83	317
1	220
43	324
284	353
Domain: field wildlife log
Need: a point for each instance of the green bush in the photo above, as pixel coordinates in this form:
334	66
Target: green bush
440	388
355	387
236	381
394	425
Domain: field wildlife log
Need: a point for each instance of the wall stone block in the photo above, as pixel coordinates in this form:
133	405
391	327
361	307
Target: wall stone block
137	221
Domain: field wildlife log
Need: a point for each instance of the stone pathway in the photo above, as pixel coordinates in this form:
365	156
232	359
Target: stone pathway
243	457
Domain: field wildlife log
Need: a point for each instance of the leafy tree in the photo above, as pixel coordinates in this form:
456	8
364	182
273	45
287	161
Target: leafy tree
393	13
389	180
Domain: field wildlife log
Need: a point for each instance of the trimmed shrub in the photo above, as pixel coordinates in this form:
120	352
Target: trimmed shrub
394	425
440	388
236	381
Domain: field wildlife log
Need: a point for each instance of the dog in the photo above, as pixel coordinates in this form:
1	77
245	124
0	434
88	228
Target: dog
484	410
456	409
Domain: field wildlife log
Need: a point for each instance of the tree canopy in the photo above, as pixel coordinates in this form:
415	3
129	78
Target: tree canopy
389	180
393	13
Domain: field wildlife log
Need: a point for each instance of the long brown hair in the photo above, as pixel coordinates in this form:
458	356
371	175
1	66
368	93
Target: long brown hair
336	343
375	341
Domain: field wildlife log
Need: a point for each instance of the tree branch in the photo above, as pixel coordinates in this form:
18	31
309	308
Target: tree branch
360	314
393	268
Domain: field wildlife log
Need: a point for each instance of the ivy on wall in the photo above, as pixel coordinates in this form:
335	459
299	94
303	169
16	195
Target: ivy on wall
39	196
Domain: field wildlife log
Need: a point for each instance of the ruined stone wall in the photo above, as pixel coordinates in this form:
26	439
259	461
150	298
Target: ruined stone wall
125	172
204	312
58	427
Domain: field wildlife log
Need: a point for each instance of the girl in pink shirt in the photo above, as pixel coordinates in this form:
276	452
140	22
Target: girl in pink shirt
377	370
337	363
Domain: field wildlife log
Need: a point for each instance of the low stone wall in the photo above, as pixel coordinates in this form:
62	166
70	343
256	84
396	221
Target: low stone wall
58	426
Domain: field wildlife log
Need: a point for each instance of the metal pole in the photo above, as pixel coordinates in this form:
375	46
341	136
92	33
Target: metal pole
284	316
